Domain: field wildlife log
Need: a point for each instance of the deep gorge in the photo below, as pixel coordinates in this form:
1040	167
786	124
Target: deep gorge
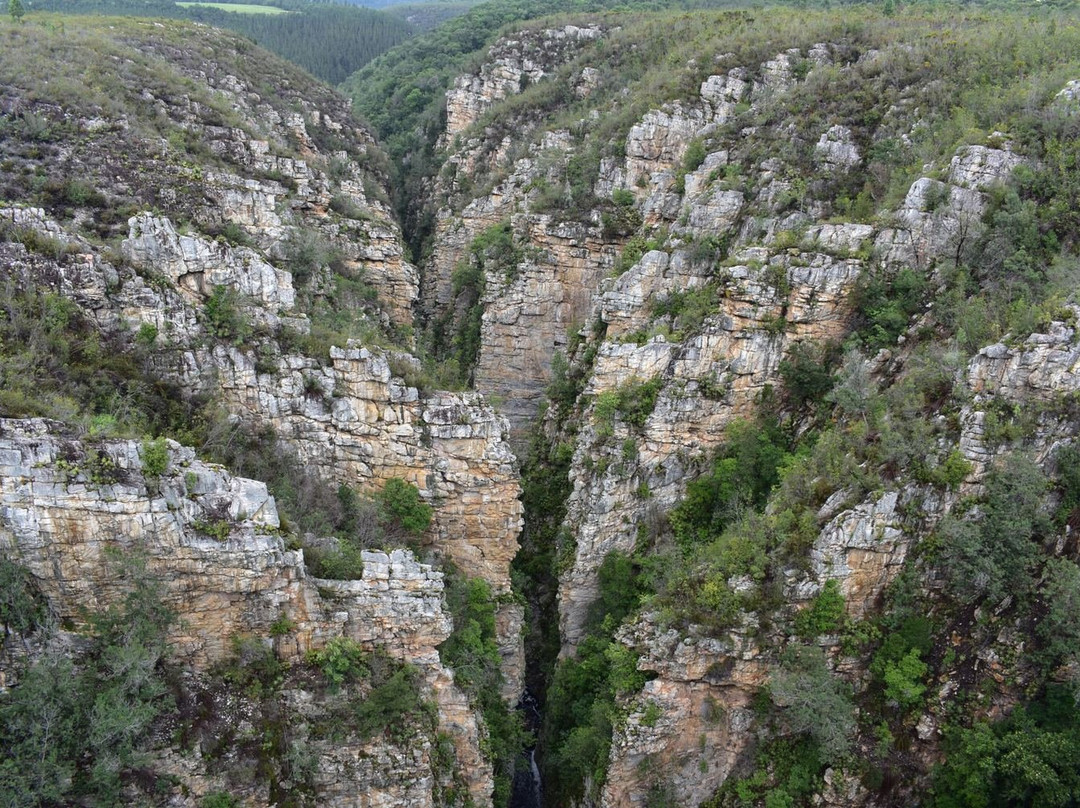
707	377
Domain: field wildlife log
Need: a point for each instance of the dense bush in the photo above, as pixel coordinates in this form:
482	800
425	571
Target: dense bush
403	508
455	336
581	702
744	472
22	607
995	555
223	317
1031	758
812	701
807	373
824	615
77	730
55	362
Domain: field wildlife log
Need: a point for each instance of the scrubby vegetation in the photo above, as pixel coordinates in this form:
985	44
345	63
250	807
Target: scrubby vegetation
987	598
473	653
838	430
584	697
84	729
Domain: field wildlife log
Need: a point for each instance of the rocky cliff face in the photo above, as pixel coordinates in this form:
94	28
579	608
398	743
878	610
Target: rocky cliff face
668	238
512	64
352	418
73	509
701	270
346	413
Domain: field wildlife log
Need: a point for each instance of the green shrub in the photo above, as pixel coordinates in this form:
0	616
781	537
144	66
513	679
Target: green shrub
807	373
155	457
1058	631
695	155
307	252
995	555
341	660
787	773
22	608
636	400
146	337
253	668
903	679
402	506
825	615
223	317
688	309
1030	758
652	714
219	799
341	563
950	472
472	651
76	731
812	701
1067	461
282	626
885	305
744	472
393	706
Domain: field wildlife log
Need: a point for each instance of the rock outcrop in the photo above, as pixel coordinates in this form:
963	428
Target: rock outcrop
735	258
512	65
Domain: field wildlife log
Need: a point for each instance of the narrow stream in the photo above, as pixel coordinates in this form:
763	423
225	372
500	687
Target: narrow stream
527	791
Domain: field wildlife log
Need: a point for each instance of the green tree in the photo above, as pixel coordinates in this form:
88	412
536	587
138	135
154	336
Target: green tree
21	608
16	10
814	702
81	726
995	555
40	723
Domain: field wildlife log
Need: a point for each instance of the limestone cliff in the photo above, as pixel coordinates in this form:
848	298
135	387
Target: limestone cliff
768	319
270	281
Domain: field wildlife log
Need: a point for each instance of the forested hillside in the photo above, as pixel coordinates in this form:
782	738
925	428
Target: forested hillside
403	95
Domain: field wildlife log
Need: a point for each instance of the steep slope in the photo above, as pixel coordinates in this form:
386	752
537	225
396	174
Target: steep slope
196	246
751	272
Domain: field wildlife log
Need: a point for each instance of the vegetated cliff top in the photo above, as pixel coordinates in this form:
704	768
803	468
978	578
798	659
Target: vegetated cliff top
129	108
661	55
